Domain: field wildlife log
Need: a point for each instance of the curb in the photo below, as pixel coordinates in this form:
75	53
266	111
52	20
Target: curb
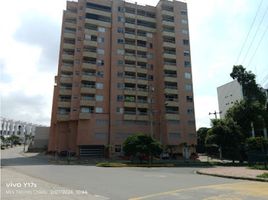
233	177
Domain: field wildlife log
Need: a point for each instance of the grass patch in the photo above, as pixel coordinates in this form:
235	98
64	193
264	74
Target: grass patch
264	175
259	167
111	164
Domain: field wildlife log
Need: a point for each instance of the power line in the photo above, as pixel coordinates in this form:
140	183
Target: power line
255	35
251	58
251	26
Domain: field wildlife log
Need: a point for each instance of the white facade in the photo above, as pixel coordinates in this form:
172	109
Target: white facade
10	127
228	94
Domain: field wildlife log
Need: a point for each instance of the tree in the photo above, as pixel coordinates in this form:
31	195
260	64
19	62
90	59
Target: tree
226	134
253	108
201	139
251	90
257	144
141	146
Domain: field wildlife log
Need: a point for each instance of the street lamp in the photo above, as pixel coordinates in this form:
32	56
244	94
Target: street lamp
215	113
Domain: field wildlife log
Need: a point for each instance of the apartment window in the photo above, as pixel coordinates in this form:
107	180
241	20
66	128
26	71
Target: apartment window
169	29
100	51
91	26
190	111
170	50
100	62
101	29
130	41
141	33
172	109
169	39
66	86
85	109
189	98
167	18
120	19
120	41
69	41
146	13
120	30
185	42
130	111
65	98
184	21
120	85
167	8
98	17
98	7
130	10
99	110
100	74
89	60
183	12
130	21
119	110
87	97
100	39
187	64
187	75
141	43
69	30
188	87
186	53
146	23
99	85
130	31
184	32
168	61
63	111
120	51
120	62
121	9
120	98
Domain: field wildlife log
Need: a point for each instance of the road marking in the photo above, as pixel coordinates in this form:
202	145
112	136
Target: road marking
101	197
258	189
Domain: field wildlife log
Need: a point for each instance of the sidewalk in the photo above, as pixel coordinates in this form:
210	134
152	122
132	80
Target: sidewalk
15	185
234	172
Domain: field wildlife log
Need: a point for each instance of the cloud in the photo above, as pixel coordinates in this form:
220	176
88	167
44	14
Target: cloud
19	106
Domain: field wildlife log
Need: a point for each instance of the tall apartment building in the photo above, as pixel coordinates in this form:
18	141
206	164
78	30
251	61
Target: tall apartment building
123	68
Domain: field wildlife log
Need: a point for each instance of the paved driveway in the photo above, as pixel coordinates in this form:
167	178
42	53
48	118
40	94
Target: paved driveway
131	183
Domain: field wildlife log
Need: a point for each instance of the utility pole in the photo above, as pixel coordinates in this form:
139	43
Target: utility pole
215	113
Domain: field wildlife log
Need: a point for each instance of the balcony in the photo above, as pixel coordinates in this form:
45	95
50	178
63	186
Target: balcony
98	12
61	117
130	117
170	67
168	23
90	43
89	66
169	34
128	25
67	57
65	104
88	90
129	104
66	68
168	55
166	12
130	68
68	46
171	90
129	91
65	92
68	35
87	102
100	23
130	57
168	44
171	79
88	78
142	118
130	36
172	117
66	79
142	81
170	102
90	54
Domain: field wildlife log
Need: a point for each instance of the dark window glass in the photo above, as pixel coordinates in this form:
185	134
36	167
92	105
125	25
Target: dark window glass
99	7
98	17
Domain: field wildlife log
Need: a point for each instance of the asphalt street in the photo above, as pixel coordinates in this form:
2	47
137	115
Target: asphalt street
131	183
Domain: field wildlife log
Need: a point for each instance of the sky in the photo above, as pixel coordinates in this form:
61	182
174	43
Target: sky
219	37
